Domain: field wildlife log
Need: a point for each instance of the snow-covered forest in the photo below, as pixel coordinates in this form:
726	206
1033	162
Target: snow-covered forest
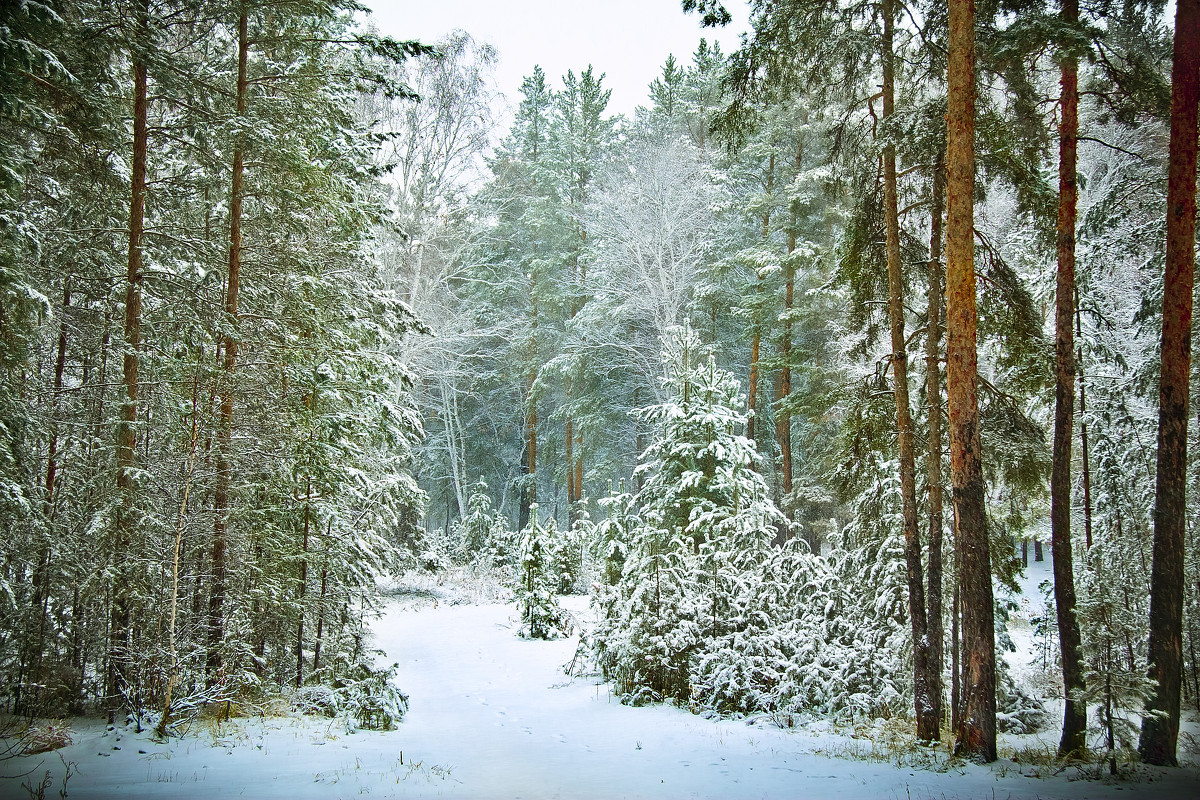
795	373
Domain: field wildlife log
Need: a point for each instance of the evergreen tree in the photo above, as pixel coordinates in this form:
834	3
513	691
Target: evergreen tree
540	581
1160	726
705	520
977	735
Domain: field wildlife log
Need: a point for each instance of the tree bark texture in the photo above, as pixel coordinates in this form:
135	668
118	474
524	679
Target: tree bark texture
216	603
119	631
34	645
756	340
783	390
529	462
976	736
1160	732
927	722
569	443
1075	711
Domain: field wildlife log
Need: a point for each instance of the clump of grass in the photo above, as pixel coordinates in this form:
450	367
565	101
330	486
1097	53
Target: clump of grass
1043	760
892	740
46	736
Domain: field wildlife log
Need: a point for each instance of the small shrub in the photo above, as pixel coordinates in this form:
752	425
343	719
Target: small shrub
50	735
369	698
316	700
1017	712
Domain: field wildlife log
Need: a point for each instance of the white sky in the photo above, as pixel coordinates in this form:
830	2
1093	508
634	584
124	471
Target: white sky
627	40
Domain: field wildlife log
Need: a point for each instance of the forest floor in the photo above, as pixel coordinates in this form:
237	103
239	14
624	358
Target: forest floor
494	716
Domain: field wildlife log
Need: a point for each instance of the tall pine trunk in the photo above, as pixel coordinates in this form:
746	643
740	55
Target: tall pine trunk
976	736
756	339
34	646
569	443
120	633
575	504
1160	732
216	603
529	460
1075	711
927	722
933	461
783	388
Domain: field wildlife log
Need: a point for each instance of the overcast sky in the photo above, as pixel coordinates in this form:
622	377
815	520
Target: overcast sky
627	40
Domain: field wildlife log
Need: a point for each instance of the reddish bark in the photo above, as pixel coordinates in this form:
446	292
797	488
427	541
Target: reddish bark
976	736
1160	732
119	629
927	721
756	341
1075	711
216	602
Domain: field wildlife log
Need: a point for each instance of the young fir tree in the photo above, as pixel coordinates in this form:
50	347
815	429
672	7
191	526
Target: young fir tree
705	518
539	580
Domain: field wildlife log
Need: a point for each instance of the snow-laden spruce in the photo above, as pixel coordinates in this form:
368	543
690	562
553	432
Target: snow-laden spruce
697	605
703	523
542	577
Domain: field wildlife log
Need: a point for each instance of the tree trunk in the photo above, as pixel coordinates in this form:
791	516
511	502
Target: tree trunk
529	461
60	362
320	638
40	605
639	440
570	445
1075	712
119	655
578	467
302	589
1160	733
927	721
976	736
216	603
783	389
173	665
756	340
933	462
955	651
454	454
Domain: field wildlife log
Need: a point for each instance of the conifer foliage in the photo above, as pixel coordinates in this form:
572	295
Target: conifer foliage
207	431
705	519
264	313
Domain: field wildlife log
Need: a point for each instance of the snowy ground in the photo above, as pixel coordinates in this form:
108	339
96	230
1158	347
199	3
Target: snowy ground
493	716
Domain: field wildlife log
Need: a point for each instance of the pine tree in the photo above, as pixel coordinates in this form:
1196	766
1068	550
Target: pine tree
977	735
1075	714
1160	726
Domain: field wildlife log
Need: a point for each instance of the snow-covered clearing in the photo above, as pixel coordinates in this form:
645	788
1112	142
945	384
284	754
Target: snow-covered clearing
493	716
